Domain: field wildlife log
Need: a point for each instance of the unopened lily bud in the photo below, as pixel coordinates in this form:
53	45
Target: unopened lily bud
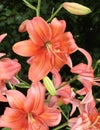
49	85
75	8
98	61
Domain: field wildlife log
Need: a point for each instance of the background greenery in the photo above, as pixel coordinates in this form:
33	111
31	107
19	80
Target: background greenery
86	29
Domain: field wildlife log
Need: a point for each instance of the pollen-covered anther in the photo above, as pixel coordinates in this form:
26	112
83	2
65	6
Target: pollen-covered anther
48	46
31	118
57	50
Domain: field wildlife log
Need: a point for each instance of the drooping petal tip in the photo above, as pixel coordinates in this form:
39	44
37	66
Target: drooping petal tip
22	27
2	36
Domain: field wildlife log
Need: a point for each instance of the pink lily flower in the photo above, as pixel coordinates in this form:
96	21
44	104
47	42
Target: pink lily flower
85	76
8	69
49	46
47	52
29	112
64	95
67	96
89	118
2	36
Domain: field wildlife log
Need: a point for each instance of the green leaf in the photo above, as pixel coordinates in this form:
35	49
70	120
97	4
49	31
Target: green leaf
29	5
23	85
5	129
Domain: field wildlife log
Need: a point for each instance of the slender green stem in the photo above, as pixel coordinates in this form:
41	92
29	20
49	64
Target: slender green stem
38	8
24	82
55	13
70	81
97	63
63	113
60	126
11	86
29	5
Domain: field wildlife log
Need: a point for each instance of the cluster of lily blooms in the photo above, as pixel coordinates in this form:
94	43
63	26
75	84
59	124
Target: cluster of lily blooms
49	48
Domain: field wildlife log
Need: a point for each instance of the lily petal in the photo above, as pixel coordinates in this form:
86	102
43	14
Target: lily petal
13	118
56	78
51	116
39	67
69	44
2	98
39	31
87	55
22	27
15	98
25	48
2	54
58	27
2	36
8	68
38	125
35	98
88	98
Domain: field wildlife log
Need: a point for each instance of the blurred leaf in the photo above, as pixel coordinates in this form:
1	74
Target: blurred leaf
8	12
10	20
1	7
5	129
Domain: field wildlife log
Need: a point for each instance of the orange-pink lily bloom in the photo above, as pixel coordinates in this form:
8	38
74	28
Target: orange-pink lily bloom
2	36
89	118
49	46
29	112
64	95
85	76
8	69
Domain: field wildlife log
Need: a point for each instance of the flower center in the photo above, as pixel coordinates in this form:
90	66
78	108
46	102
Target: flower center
30	118
54	51
32	122
48	46
49	49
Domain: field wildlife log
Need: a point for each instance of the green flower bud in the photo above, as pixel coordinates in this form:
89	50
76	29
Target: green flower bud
49	85
75	8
